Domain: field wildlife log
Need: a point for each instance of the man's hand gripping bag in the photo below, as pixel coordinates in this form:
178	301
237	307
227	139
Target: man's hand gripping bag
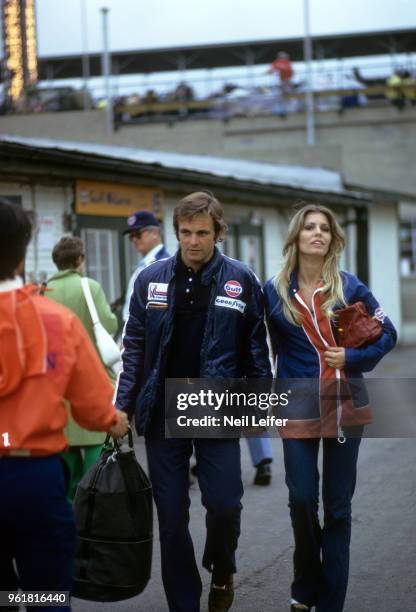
113	511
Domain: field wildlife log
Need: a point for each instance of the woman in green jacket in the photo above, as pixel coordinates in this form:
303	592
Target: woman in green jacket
65	287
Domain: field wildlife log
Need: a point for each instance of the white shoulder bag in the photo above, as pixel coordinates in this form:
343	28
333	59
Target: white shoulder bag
107	347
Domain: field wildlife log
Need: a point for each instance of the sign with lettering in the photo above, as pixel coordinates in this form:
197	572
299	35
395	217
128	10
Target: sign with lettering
116	199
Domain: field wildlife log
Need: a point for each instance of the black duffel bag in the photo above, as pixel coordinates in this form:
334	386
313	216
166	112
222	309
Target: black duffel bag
113	513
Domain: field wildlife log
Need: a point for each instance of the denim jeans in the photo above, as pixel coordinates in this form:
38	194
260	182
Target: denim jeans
321	557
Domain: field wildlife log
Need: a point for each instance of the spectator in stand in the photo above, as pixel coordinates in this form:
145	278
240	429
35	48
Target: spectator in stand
282	67
226	89
183	93
45	356
150	97
65	288
395	90
409	87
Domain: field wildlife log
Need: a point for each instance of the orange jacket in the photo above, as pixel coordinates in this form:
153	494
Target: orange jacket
46	356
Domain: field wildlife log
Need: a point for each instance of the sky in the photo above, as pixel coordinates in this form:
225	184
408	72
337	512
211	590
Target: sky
140	24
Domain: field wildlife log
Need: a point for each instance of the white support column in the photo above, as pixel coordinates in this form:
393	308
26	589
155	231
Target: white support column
384	259
351	246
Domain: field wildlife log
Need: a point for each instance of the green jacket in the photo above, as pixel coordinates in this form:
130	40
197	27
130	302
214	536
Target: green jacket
65	287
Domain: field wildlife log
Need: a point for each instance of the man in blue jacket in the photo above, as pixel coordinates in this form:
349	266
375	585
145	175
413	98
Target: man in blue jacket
144	233
198	314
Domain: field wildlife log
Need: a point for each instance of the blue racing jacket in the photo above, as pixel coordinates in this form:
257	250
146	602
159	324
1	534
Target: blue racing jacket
324	404
234	343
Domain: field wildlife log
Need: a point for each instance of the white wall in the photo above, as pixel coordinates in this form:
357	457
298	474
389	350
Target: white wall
275	223
48	205
169	238
384	253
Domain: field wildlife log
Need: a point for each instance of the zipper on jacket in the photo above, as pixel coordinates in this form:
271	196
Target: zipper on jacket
341	437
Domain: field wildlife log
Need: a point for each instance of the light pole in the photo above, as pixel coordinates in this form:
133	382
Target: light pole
106	71
85	59
307	54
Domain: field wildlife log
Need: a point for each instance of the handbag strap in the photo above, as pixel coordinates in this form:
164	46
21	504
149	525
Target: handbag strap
90	302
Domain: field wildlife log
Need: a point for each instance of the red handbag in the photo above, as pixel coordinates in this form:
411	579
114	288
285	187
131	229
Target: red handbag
355	327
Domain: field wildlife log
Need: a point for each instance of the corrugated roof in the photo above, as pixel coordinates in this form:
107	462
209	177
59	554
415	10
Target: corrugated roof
318	180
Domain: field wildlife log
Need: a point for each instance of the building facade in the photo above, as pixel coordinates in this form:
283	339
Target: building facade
90	190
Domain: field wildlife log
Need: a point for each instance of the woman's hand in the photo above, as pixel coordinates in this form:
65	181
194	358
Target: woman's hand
335	357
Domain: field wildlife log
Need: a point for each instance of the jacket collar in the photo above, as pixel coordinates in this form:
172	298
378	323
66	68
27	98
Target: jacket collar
11	284
150	257
65	273
293	283
209	270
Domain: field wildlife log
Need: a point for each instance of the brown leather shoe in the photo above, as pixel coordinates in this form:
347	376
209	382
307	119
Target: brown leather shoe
221	596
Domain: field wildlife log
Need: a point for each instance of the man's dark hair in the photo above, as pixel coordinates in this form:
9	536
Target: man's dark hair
67	251
200	202
15	234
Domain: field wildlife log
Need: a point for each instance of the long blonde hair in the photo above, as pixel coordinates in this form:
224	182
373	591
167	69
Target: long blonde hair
332	289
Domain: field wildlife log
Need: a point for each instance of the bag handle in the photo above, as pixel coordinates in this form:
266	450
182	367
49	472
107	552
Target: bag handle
42	288
90	302
114	443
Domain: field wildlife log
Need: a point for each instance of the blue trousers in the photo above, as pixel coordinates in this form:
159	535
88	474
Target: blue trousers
321	557
260	449
37	527
219	476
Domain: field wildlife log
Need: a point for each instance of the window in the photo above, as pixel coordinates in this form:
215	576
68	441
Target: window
244	241
102	264
408	248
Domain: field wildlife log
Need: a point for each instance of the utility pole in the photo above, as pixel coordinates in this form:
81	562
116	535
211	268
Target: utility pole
106	71
307	54
85	59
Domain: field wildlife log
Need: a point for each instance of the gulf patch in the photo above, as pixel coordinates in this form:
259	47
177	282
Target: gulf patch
233	288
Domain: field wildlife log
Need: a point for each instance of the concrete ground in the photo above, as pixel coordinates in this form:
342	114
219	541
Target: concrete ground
383	548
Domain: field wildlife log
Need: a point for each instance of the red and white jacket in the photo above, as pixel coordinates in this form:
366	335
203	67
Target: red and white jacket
331	399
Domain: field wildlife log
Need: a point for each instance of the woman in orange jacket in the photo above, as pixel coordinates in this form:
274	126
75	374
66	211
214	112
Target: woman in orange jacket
45	356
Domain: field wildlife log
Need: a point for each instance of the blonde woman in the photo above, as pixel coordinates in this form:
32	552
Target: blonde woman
301	302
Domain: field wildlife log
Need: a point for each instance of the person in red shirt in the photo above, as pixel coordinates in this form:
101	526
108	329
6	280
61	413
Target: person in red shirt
282	66
45	356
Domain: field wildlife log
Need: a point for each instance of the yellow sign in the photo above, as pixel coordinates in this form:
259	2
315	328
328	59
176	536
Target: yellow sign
115	199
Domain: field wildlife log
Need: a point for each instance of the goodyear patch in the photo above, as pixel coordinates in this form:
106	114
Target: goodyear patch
227	302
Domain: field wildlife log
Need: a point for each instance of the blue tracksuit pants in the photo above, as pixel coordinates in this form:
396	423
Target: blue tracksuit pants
219	476
321	557
37	527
